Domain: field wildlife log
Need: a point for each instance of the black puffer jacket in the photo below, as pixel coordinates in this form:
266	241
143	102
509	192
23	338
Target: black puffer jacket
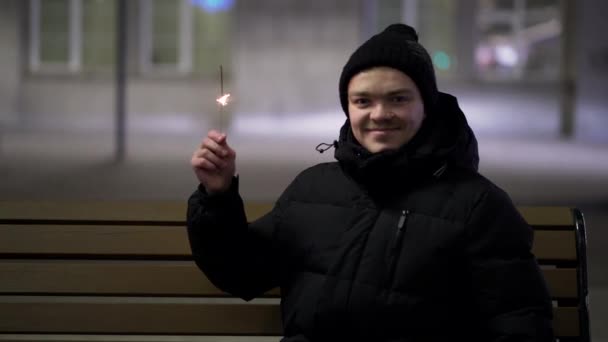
409	245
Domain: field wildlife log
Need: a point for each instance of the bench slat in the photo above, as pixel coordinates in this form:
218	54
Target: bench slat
165	278
136	318
203	319
562	283
176	211
106	278
132	338
94	210
162	278
94	239
168	211
566	322
173	241
554	245
547	216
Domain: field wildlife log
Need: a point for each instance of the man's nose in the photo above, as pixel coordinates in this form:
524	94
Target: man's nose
380	112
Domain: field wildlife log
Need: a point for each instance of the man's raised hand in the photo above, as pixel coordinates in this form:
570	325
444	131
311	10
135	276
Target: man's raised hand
214	163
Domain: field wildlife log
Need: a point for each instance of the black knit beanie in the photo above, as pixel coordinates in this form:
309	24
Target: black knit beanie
396	47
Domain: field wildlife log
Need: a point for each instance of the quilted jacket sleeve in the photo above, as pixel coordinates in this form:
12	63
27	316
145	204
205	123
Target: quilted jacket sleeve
238	257
509	291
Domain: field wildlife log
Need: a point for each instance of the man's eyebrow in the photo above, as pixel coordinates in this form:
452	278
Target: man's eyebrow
400	91
405	91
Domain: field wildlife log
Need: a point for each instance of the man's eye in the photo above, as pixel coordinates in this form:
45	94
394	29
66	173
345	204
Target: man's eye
361	102
399	99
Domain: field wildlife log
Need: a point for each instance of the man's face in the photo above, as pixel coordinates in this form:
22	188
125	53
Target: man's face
385	108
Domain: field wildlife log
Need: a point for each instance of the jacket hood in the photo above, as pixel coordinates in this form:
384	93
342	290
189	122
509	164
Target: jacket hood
444	140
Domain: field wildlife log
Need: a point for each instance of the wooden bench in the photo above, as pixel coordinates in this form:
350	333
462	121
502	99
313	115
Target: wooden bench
117	271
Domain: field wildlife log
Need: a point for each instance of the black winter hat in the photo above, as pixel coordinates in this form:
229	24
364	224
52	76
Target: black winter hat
396	47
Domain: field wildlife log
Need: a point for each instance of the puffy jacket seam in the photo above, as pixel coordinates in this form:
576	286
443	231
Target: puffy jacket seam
325	203
476	206
443	219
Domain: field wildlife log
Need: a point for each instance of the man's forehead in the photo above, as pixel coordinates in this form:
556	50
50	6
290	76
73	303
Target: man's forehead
381	80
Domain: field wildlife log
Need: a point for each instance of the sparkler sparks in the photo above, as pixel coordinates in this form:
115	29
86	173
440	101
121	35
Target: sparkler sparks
223	100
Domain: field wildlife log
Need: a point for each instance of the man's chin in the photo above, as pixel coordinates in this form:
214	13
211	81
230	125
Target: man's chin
377	148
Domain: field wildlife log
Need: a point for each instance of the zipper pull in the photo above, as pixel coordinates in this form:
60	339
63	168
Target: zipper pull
404	214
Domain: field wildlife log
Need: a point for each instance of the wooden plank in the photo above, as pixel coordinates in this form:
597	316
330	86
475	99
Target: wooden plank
132	338
255	210
566	322
94	239
163	278
547	216
167	278
175	211
204	319
139	318
149	240
561	282
94	210
180	278
160	211
554	245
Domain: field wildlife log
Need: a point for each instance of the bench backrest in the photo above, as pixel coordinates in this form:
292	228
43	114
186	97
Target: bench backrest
560	246
125	268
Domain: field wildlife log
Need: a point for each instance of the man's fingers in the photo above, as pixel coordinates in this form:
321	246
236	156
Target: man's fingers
214	154
212	157
205	164
213	146
230	153
219	138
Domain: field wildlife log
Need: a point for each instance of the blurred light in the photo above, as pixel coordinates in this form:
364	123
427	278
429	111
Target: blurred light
484	56
214	6
506	55
442	60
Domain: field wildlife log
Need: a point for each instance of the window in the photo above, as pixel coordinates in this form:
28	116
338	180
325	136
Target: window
184	36
503	40
54	32
99	34
519	39
212	37
174	36
71	35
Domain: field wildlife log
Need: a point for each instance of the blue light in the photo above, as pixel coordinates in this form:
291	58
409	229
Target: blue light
214	6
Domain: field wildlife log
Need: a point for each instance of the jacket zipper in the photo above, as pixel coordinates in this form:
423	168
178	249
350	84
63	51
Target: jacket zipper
396	246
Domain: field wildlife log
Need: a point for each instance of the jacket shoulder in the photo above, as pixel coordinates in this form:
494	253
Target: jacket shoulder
457	194
490	208
324	183
485	190
319	170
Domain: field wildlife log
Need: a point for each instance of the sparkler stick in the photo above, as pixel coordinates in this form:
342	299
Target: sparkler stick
223	99
221	94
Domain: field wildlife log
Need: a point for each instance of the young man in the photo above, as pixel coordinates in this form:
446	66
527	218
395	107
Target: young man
401	239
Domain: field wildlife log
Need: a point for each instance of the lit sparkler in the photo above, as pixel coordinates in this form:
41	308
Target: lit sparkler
223	99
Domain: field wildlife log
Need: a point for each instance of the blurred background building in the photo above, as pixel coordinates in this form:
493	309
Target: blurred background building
544	58
106	99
